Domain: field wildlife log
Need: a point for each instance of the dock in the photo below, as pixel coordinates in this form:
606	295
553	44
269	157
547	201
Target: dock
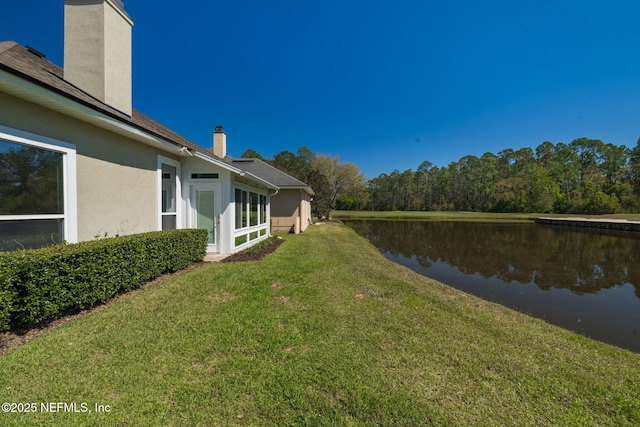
597	223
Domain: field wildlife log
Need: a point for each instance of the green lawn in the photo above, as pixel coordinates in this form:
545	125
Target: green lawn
325	331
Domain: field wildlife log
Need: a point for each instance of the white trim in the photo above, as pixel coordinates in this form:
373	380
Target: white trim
29	217
68	150
219	163
179	202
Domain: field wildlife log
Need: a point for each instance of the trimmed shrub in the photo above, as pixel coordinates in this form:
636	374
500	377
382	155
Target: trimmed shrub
40	285
5	310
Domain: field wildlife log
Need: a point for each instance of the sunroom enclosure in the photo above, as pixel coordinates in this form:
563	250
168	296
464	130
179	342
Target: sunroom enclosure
251	214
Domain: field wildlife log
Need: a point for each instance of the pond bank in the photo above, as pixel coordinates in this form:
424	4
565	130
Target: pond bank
597	223
473	216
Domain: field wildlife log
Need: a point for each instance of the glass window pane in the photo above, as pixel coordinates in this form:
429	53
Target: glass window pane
244	209
238	199
168	188
30	234
253	203
169	222
31	180
263	209
240	240
205	211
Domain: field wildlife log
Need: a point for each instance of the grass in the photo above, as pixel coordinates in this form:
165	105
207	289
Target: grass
324	331
465	216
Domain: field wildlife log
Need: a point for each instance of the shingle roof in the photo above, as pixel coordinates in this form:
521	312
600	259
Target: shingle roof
30	66
269	173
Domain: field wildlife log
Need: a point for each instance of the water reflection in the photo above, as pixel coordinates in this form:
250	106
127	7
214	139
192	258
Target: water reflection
583	281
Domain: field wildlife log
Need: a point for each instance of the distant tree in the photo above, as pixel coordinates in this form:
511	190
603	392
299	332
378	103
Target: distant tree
633	174
339	179
424	184
251	154
285	160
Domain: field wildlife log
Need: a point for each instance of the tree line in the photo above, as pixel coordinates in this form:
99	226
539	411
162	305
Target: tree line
585	176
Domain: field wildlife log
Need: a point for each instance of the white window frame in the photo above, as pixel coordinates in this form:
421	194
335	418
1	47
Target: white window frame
70	215
178	189
262	229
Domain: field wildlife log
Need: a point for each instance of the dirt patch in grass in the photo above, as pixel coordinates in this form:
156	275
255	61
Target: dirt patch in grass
254	254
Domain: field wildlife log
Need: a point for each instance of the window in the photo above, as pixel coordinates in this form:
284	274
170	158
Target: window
263	209
241	208
31	180
37	191
253	209
250	216
204	176
169	171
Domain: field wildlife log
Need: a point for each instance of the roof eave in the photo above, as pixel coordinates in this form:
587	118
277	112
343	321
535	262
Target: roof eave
307	189
218	163
50	99
269	185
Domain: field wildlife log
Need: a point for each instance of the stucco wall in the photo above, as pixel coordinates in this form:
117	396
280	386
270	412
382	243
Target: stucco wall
97	51
285	207
290	211
116	177
305	211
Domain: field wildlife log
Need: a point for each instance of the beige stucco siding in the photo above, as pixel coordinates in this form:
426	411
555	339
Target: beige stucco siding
116	177
284	210
97	51
305	211
118	191
290	211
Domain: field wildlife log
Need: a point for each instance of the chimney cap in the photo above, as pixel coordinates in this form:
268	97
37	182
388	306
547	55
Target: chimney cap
119	4
219	129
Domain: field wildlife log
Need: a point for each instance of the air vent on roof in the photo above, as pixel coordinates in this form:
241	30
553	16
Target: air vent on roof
36	52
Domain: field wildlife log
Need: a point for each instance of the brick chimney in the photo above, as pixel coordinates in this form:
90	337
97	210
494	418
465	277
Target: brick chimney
97	50
219	142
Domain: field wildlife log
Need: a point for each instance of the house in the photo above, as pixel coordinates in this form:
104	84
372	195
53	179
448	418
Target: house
77	162
291	204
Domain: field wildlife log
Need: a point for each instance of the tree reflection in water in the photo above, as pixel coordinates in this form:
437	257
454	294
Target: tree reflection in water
496	257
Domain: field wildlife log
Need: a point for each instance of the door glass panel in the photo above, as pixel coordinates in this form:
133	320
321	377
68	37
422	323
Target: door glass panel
205	213
169	215
168	188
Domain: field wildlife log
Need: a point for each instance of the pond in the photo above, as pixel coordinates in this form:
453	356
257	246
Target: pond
584	281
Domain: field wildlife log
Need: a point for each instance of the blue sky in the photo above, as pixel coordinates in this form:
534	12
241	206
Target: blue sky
382	84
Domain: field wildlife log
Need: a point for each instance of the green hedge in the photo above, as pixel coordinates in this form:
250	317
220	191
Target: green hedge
43	284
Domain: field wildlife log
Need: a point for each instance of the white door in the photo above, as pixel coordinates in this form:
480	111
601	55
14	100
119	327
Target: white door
205	212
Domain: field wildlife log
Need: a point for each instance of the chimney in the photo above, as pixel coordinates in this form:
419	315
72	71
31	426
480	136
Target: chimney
97	50
219	142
